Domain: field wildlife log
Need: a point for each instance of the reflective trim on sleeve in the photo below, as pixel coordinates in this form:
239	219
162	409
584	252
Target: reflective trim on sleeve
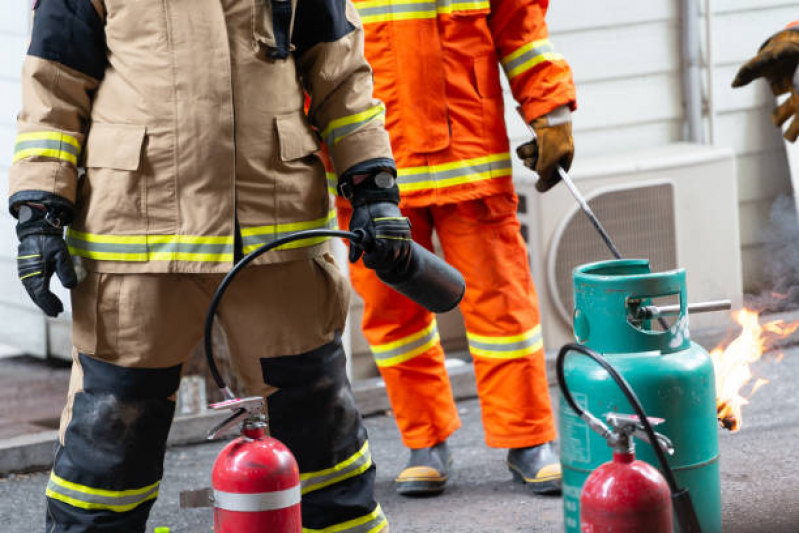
356	464
253	503
52	144
394	353
371	523
99	499
332	183
339	128
372	11
511	347
254	237
137	248
455	173
528	56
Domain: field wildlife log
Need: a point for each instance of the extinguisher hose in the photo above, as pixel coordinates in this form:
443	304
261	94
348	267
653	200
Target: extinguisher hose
681	499
228	279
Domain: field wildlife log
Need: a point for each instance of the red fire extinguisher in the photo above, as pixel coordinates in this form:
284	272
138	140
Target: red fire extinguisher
255	479
626	495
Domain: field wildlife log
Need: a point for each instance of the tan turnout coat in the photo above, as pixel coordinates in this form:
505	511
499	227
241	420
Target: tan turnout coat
190	124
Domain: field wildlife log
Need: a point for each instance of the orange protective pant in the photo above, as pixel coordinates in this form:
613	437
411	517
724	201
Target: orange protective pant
480	238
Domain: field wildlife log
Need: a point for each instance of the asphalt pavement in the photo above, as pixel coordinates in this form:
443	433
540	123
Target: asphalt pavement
760	489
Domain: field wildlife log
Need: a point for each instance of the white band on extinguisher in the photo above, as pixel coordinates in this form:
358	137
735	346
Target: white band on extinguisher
253	503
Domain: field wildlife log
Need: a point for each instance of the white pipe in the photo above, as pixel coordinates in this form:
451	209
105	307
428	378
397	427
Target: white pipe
709	63
692	89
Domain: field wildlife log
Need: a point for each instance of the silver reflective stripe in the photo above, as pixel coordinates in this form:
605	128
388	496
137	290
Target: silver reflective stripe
468	170
362	461
536	51
258	240
253	503
561	115
397	8
47	144
498	347
101	501
383	357
153	247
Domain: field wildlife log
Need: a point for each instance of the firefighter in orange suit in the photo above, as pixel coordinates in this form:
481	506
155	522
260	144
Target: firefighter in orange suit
188	119
436	67
777	62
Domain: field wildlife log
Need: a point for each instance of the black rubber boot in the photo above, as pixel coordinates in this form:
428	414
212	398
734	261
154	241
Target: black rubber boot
427	471
538	467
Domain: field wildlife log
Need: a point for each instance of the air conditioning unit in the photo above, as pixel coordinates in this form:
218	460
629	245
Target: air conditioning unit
676	205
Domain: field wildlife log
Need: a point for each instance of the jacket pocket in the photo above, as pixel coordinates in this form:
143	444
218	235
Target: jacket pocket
114	192
486	76
114	146
296	138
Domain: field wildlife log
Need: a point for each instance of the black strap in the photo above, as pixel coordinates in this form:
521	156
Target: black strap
281	23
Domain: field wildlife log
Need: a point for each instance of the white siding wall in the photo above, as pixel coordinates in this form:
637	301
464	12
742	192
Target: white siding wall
14	19
626	61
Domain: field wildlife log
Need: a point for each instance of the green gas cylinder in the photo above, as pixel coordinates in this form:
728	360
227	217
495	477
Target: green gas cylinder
672	376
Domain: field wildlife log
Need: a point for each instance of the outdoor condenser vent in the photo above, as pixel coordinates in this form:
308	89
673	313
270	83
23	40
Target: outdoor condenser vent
676	205
640	220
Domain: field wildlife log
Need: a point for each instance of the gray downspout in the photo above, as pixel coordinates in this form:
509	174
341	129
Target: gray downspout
691	81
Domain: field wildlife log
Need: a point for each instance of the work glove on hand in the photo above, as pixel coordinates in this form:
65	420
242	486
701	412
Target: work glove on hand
42	251
375	212
777	62
552	145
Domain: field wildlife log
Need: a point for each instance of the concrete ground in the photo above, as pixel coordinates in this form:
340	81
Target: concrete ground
760	481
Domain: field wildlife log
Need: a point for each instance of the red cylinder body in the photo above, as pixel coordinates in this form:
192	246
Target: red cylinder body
256	485
625	496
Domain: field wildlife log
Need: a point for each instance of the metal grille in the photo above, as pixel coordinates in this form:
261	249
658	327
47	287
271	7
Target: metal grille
640	221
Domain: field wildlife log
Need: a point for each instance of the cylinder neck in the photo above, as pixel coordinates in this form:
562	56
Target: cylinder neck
624	457
254	428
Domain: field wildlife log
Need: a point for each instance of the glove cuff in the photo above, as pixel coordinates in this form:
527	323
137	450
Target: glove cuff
379	187
36	219
58	207
561	115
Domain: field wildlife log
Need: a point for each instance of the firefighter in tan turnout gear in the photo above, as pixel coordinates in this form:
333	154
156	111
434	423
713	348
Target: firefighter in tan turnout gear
187	116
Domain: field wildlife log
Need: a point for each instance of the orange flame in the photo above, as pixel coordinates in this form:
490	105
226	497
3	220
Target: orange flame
732	363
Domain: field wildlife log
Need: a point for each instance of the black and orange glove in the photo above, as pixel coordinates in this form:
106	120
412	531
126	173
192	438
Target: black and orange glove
777	62
42	250
552	146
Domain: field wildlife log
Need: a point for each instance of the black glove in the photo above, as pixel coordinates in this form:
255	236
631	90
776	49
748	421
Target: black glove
387	233
41	252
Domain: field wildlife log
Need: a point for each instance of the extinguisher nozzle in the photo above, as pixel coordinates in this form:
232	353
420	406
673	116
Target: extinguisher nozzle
684	509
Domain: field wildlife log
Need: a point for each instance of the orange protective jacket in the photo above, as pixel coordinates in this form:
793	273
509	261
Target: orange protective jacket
436	67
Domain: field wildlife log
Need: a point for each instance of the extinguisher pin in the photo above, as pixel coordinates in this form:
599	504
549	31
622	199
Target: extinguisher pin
242	408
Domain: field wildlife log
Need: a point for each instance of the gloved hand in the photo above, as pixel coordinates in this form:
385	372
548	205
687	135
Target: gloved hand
552	145
375	203
41	252
777	61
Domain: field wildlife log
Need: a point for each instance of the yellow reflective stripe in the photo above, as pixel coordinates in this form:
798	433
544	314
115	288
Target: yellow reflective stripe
193	248
99	498
28	256
393	361
504	340
26	276
337	473
48	136
302	243
341	127
371	523
332	182
290	226
373	11
509	347
381	348
528	56
45	152
454	173
149	239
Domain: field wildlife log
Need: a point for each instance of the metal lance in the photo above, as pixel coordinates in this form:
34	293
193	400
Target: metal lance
588	212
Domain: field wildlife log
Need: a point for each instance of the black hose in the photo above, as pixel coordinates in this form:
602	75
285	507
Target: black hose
686	514
246	260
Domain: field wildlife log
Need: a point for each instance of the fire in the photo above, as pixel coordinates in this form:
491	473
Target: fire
732	363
